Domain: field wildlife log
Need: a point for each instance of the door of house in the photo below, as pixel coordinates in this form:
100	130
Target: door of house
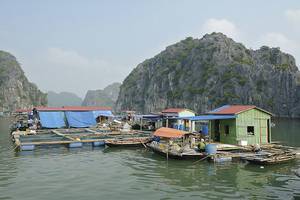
268	131
217	130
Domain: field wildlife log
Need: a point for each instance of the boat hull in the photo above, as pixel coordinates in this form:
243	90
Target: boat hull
178	156
127	143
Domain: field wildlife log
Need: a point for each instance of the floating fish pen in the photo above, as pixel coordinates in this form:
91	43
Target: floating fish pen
75	138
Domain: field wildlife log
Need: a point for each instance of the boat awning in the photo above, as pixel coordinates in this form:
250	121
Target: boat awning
208	117
149	117
104	113
169	133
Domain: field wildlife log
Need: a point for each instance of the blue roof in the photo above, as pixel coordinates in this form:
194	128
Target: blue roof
208	117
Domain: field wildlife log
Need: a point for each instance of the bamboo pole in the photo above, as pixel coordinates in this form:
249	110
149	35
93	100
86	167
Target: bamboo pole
65	136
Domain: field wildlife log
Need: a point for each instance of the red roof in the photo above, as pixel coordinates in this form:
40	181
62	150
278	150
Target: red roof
23	110
66	108
78	108
234	109
169	133
174	110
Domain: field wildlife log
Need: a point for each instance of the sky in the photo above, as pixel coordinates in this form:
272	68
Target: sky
75	46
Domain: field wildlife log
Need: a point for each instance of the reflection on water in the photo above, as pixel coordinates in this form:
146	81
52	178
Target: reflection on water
98	173
287	131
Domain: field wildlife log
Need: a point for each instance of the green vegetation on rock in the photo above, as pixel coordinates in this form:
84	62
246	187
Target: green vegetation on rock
205	73
15	90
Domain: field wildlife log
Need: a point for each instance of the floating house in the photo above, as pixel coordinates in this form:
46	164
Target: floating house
71	116
151	121
237	124
176	118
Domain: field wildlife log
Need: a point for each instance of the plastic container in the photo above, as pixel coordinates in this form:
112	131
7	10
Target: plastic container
98	143
243	142
223	159
27	147
211	149
75	145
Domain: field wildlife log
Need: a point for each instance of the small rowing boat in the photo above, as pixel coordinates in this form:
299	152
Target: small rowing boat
133	142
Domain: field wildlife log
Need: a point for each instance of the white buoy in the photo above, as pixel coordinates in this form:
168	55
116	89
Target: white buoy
262	167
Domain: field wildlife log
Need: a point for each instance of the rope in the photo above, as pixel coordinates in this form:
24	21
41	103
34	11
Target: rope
201	159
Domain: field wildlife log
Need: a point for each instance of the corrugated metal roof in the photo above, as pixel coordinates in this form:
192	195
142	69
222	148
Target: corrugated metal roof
72	108
23	110
149	116
169	133
208	117
235	109
232	109
175	110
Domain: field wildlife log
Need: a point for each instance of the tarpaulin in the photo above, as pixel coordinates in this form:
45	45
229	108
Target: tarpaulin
80	119
52	119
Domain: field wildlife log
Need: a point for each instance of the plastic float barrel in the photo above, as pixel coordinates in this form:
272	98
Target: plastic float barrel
223	159
98	143
211	149
27	147
75	145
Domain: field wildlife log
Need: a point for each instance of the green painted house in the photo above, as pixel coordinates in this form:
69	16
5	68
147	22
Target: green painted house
240	124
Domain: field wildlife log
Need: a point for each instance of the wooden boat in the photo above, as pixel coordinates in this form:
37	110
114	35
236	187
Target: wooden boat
173	143
131	142
269	159
181	155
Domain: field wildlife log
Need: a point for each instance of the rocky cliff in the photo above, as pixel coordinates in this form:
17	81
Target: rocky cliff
63	99
106	97
202	74
15	89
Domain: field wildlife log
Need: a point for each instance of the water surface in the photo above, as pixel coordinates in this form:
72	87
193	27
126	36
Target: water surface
97	173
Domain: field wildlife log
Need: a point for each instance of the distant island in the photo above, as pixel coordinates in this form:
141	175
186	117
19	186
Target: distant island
106	97
63	99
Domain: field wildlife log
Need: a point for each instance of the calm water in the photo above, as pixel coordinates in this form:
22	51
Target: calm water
60	173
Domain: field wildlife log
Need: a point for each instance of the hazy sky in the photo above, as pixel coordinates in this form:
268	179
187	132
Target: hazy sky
80	45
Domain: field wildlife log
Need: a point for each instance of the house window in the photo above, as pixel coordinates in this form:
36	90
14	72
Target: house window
250	130
226	130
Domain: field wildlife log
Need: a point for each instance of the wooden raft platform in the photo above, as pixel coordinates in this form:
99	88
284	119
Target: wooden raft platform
26	140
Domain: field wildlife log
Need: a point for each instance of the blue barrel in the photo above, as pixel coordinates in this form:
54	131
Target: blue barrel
211	149
180	127
98	143
27	147
205	130
75	145
156	138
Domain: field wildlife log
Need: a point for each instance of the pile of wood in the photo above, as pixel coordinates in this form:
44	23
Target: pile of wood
272	155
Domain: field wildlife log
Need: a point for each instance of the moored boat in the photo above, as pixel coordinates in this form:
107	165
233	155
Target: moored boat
176	144
132	142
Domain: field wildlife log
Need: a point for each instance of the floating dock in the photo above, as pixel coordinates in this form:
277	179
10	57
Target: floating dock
74	138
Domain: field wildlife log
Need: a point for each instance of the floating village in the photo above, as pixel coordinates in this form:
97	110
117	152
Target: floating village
231	133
